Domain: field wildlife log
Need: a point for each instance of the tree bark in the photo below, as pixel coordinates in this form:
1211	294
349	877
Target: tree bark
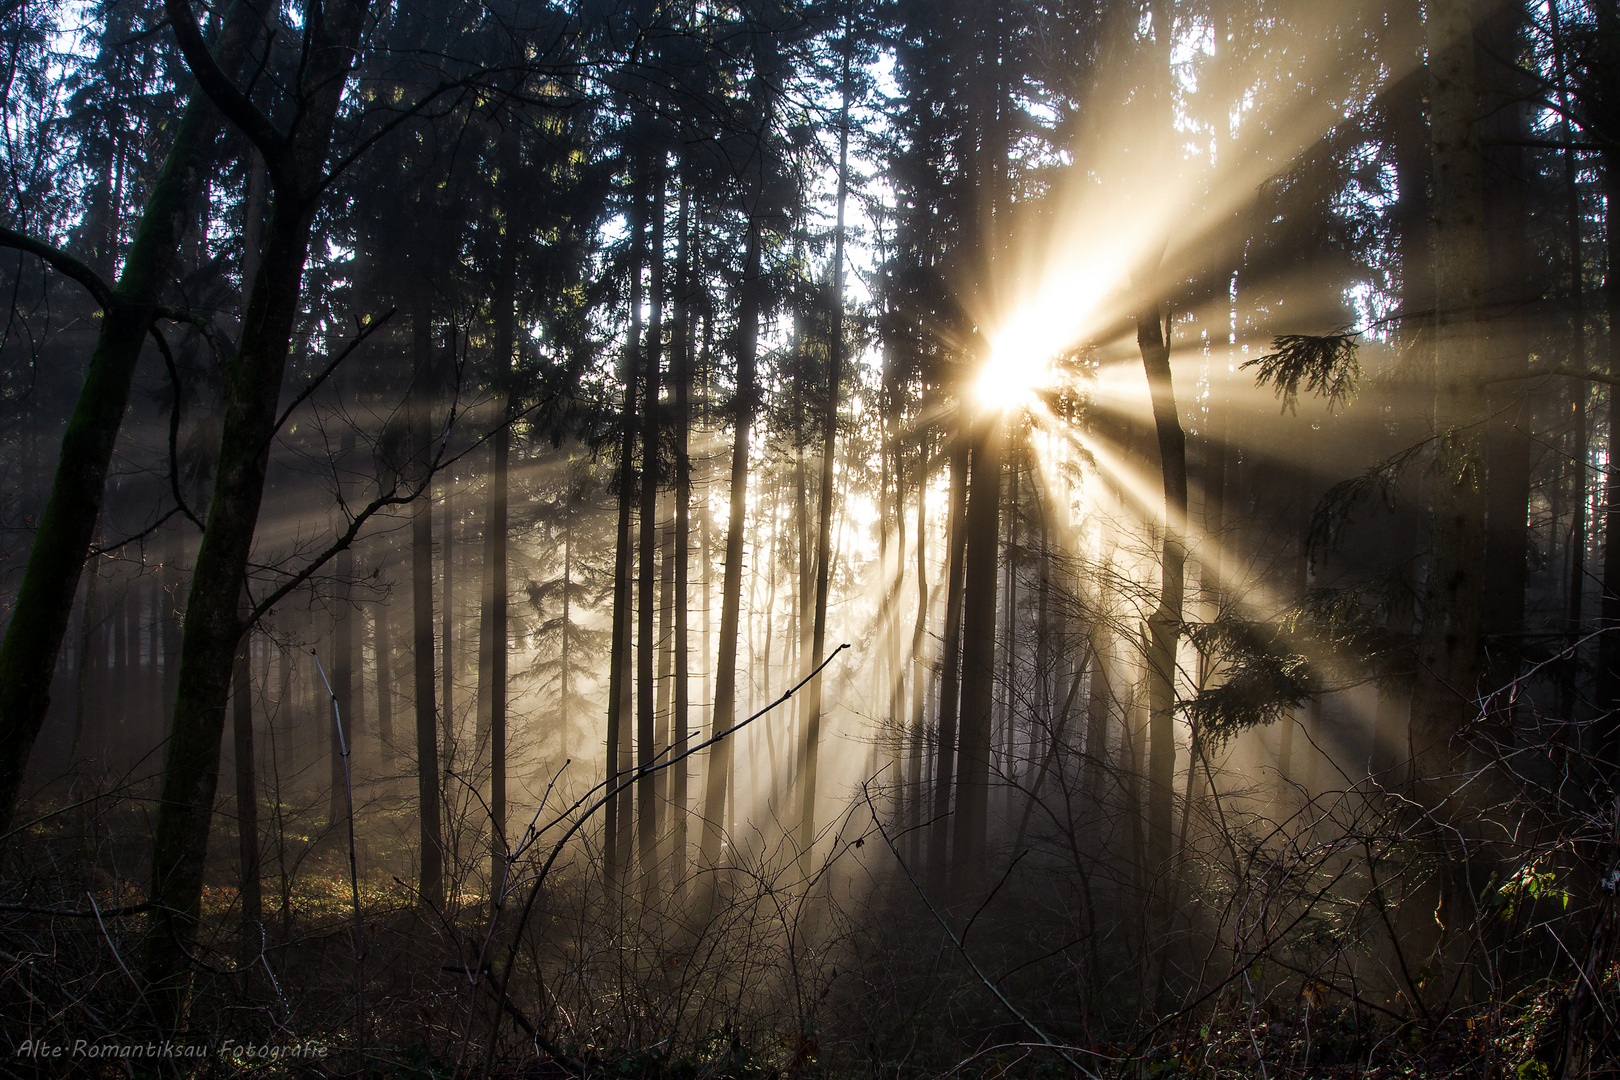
44	599
1509	293
718	773
616	849
950	662
492	670
1164	625
647	588
382	644
1449	636
983	542
829	447
342	665
247	801
430	869
682	339
214	626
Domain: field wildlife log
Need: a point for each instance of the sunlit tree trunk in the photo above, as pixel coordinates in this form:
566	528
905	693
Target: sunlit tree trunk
430	852
1449	637
342	663
1164	625
1410	214
1607	697
829	437
682	340
382	644
1509	288
619	727
647	588
447	612
718	774
1099	703
983	542
492	667
919	670
950	662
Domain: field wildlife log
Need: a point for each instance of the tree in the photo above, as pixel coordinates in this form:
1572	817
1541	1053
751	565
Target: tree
130	312
297	166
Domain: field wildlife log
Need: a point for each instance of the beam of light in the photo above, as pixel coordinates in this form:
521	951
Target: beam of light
1018	366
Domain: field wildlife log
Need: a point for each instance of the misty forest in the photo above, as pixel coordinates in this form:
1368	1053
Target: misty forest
775	538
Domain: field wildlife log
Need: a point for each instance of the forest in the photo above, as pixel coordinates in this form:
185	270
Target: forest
752	539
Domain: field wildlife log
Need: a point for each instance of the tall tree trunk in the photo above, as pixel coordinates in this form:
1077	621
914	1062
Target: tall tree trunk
172	601
565	685
1449	637
90	650
616	852
682	341
1164	625
1509	290
829	446
214	626
983	536
382	644
44	597
1391	743
430	869
950	661
492	668
647	589
919	668
342	666
447	616
1607	696
718	773
247	801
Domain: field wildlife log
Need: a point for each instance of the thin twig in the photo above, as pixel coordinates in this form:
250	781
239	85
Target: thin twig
961	949
630	777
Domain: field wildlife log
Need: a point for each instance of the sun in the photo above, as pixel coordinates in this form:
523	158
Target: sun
1017	367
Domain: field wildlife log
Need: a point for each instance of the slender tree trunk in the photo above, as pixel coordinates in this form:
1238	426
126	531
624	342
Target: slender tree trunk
647	589
247	801
447	619
171	601
382	644
492	670
1507	537
565	685
829	445
1391	744
919	667
983	535
1099	702
61	543
682	340
618	823
950	662
1449	637
342	666
430	870
1607	696
1164	626
89	666
718	777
